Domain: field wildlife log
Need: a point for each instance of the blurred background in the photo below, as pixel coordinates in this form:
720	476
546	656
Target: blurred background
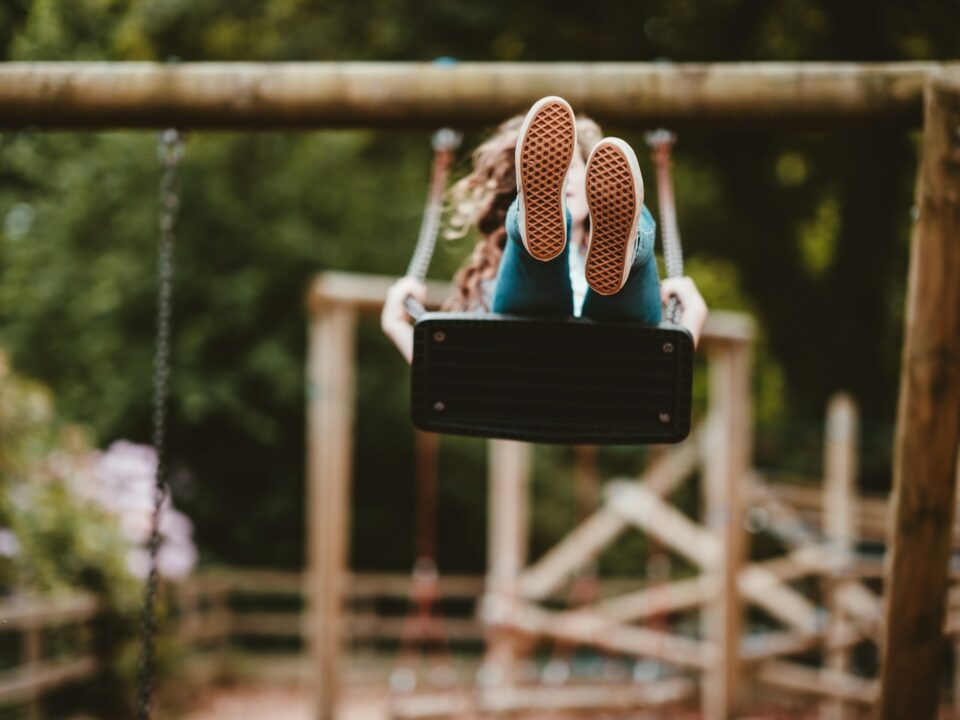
807	231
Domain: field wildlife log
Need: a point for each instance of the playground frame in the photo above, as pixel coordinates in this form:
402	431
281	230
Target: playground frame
249	96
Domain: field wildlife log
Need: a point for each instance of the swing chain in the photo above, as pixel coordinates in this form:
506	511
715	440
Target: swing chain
661	143
170	153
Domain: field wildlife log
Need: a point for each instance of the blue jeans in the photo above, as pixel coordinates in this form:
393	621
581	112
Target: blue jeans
526	286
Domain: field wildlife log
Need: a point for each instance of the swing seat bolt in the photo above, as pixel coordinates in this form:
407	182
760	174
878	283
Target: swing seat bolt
439	336
439	406
668	347
664	418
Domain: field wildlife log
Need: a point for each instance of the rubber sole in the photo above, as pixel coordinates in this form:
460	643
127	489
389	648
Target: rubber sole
545	149
615	201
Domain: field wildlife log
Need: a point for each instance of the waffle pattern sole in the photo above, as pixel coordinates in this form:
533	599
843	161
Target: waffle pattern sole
612	198
537	379
545	154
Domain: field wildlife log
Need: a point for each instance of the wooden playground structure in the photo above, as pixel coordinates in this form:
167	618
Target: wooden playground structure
907	622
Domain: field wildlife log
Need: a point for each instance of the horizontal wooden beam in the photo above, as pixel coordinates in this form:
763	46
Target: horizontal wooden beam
819	683
365	293
47	613
586	699
26	682
402	94
589	629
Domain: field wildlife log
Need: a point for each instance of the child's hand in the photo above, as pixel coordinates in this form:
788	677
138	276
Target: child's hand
394	318
693	310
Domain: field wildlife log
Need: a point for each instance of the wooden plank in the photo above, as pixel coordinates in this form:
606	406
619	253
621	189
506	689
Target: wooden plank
53	612
663	522
671	597
839	499
367	586
819	683
726	461
19	686
858	601
589	629
365	627
587	540
562	699
675	530
576	549
928	424
329	440
365	293
351	94
693	592
508	473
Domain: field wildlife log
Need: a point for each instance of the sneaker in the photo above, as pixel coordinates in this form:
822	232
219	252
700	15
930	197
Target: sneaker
615	201
548	138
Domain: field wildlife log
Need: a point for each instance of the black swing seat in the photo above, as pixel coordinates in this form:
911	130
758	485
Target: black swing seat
570	381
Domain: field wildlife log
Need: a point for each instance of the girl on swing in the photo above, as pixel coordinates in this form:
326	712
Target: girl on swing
565	231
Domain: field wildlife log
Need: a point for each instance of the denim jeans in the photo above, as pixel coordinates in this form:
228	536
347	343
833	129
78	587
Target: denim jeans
526	286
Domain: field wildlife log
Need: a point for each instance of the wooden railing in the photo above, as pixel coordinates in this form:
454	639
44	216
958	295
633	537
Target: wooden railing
38	672
367	621
212	612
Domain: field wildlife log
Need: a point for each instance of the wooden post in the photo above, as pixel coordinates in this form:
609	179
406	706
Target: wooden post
839	496
509	470
725	465
330	394
928	424
31	654
427	452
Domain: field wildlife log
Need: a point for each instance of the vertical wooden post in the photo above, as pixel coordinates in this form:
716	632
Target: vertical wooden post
427	451
31	653
726	464
330	398
509	471
928	424
839	496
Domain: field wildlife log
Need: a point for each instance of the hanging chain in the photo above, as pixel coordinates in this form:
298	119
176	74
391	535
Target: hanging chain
661	142
170	153
445	142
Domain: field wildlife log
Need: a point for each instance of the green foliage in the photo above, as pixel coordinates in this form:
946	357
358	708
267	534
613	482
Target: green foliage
784	224
55	540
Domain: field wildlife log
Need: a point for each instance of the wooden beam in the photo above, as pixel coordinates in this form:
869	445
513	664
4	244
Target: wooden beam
692	592
664	522
365	293
671	597
587	699
727	452
589	629
928	424
508	473
330	398
600	529
675	530
576	549
839	497
403	94
858	601
819	683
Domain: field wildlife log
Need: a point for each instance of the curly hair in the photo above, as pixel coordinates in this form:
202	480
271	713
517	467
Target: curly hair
480	200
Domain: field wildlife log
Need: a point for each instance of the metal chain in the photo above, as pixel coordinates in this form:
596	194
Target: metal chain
170	153
661	142
445	142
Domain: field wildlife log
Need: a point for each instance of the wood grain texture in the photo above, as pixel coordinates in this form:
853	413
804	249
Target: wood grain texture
928	424
405	94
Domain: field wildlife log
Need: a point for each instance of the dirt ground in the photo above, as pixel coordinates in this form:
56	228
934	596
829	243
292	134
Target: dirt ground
277	703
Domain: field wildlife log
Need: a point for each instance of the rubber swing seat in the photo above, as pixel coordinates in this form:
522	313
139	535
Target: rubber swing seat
548	380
